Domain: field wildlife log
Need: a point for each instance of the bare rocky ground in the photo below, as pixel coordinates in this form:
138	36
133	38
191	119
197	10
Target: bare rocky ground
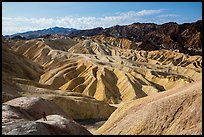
100	78
176	111
91	125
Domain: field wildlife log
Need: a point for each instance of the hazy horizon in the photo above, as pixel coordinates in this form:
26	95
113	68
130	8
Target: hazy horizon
88	29
19	17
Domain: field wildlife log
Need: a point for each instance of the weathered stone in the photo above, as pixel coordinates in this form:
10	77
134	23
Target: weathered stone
20	119
176	111
35	106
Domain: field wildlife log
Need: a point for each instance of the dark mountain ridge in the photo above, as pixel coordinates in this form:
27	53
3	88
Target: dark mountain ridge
186	37
39	33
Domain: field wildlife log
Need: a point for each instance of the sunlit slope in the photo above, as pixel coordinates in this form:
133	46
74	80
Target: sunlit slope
109	72
175	111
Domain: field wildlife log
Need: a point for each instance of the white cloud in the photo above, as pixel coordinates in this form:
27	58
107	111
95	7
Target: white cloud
148	12
141	13
22	24
168	15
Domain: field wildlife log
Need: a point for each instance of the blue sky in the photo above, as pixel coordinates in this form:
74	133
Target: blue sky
26	16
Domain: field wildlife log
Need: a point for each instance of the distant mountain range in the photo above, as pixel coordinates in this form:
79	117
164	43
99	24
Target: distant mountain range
186	37
40	33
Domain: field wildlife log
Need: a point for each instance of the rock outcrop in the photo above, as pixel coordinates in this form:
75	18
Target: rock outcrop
35	106
23	116
176	111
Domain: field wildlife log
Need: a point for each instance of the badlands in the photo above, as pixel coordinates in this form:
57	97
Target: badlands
98	85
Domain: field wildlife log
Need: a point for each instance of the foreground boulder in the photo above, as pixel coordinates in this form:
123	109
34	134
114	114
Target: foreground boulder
56	125
21	116
176	111
60	125
35	106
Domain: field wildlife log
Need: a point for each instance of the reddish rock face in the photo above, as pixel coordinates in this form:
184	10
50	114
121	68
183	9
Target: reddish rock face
187	37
